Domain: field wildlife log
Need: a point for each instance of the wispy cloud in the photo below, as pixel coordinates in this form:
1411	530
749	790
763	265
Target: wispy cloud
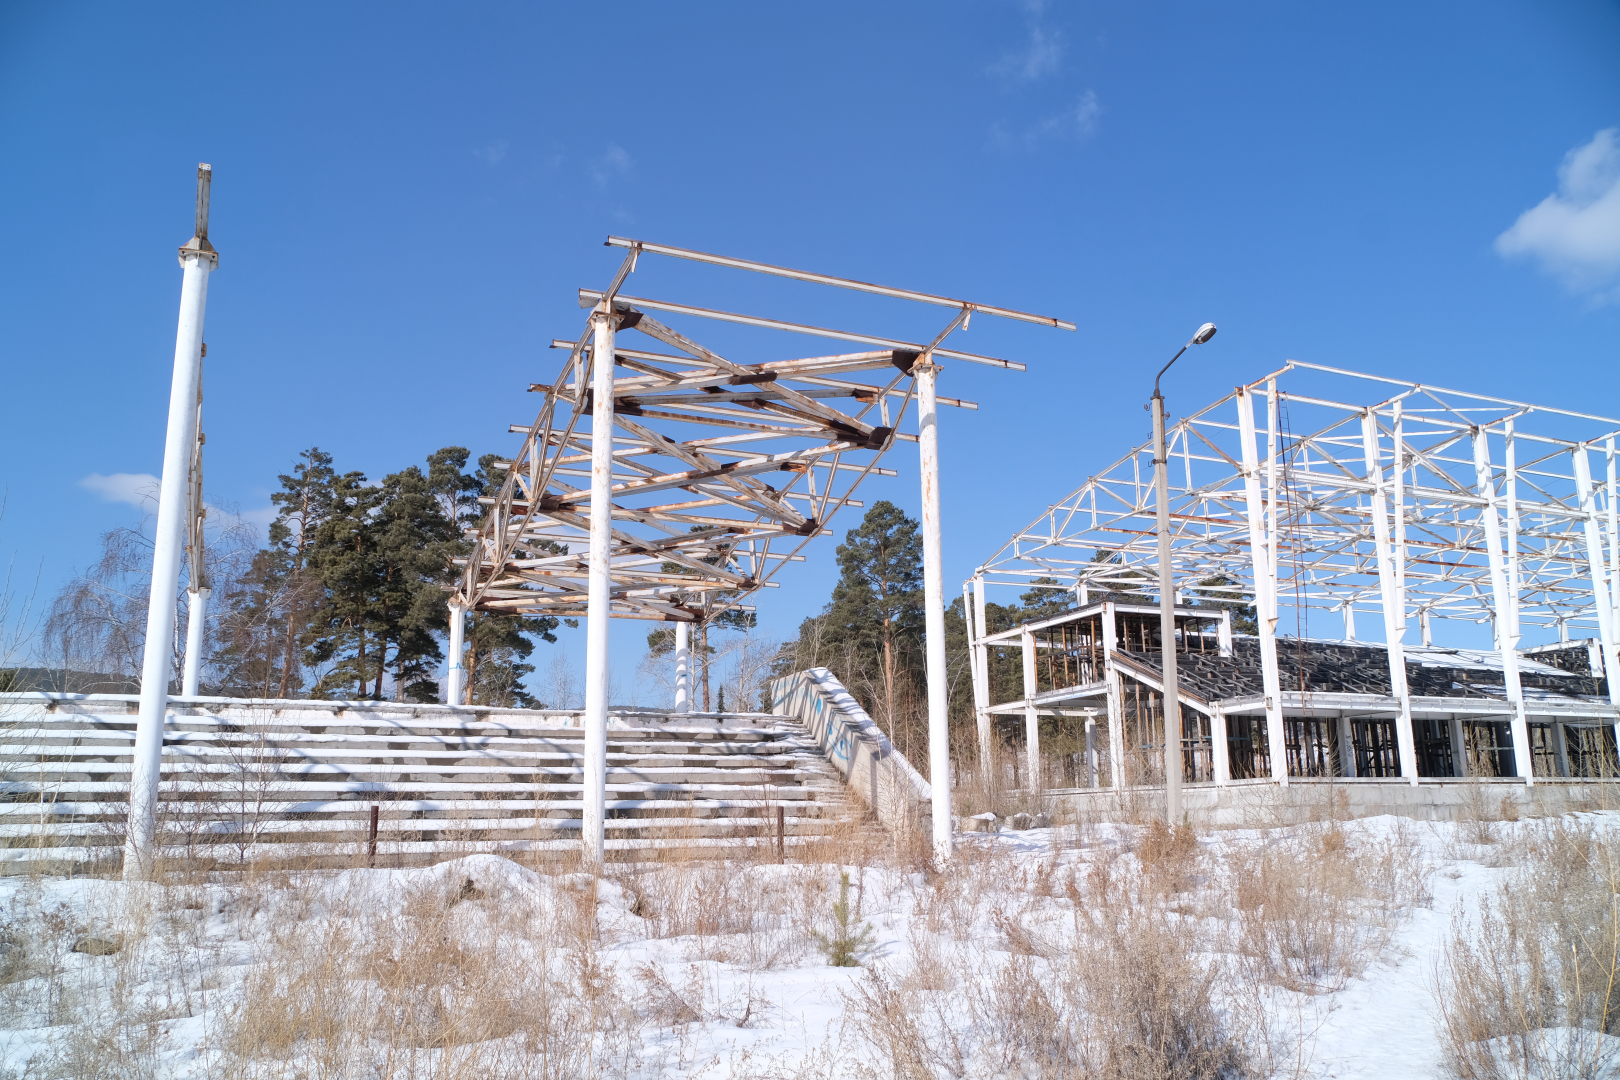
1575	232
613	162
139	490
1039	54
1075	122
494	153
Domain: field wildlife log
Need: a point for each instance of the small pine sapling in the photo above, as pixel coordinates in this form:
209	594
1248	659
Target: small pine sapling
843	946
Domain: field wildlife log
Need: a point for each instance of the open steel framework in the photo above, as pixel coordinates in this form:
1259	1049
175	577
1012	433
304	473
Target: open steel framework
1317	489
718	471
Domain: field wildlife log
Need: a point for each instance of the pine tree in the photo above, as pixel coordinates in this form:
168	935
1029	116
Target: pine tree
303	504
877	604
344	555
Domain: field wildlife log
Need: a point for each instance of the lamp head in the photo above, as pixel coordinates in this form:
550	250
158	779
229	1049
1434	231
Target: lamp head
1205	332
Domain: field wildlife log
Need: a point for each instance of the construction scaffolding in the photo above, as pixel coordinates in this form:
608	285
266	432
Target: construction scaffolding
1317	491
679	446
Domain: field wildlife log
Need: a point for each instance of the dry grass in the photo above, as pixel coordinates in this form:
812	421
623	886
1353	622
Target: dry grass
1530	986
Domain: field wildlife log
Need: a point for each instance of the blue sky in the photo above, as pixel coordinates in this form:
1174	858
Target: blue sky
406	197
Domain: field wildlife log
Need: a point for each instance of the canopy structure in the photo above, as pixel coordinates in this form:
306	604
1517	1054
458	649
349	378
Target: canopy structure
1318	490
676	490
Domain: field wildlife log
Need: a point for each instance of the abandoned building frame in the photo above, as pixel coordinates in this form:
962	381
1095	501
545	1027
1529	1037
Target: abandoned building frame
1317	493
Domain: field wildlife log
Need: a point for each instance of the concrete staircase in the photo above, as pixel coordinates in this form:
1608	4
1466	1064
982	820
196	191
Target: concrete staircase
296	783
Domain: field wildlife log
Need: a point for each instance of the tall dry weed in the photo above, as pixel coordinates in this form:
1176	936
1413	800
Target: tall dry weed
1530	986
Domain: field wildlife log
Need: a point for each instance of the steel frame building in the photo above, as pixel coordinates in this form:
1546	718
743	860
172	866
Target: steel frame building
1314	491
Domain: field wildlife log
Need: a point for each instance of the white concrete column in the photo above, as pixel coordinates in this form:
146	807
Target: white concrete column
1032	719
196	629
198	259
1220	749
1504	605
1393	604
1347	747
1116	700
1264	568
683	667
1092	780
599	601
1459	746
979	655
939	736
455	680
1349	609
1594	565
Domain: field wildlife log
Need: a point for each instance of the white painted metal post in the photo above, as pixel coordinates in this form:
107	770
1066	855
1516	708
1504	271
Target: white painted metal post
683	667
1507	642
1032	719
455	680
1594	564
1092	780
199	260
939	736
1173	763
1394	606
599	602
1349	610
979	654
196	623
1265	588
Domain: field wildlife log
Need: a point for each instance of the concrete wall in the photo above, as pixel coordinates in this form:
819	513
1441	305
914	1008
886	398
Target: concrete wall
1263	803
856	747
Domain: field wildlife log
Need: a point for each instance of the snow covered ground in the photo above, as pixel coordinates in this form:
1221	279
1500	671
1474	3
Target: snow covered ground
1314	950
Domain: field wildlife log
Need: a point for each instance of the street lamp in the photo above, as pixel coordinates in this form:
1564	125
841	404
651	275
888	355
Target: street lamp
1167	594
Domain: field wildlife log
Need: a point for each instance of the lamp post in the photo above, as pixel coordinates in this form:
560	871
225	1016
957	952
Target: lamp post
1167	593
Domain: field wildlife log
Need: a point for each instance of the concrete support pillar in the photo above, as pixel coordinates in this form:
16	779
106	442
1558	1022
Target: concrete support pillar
979	652
1505	604
455	679
1262	560
1174	763
1116	700
1347	747
1092	779
1459	746
939	732
1393	600
1220	748
1601	597
198	259
196	632
1560	740
599	602
1349	609
1032	719
683	667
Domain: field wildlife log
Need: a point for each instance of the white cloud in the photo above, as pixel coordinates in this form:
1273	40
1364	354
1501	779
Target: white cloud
613	162
1040	54
1575	232
137	489
494	153
1075	122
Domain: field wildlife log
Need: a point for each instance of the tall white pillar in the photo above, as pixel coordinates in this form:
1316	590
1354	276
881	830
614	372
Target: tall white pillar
1174	762
455	682
981	685
1505	602
939	738
198	259
599	603
683	667
1264	567
1594	562
196	628
1116	700
1032	716
1391	596
1220	748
